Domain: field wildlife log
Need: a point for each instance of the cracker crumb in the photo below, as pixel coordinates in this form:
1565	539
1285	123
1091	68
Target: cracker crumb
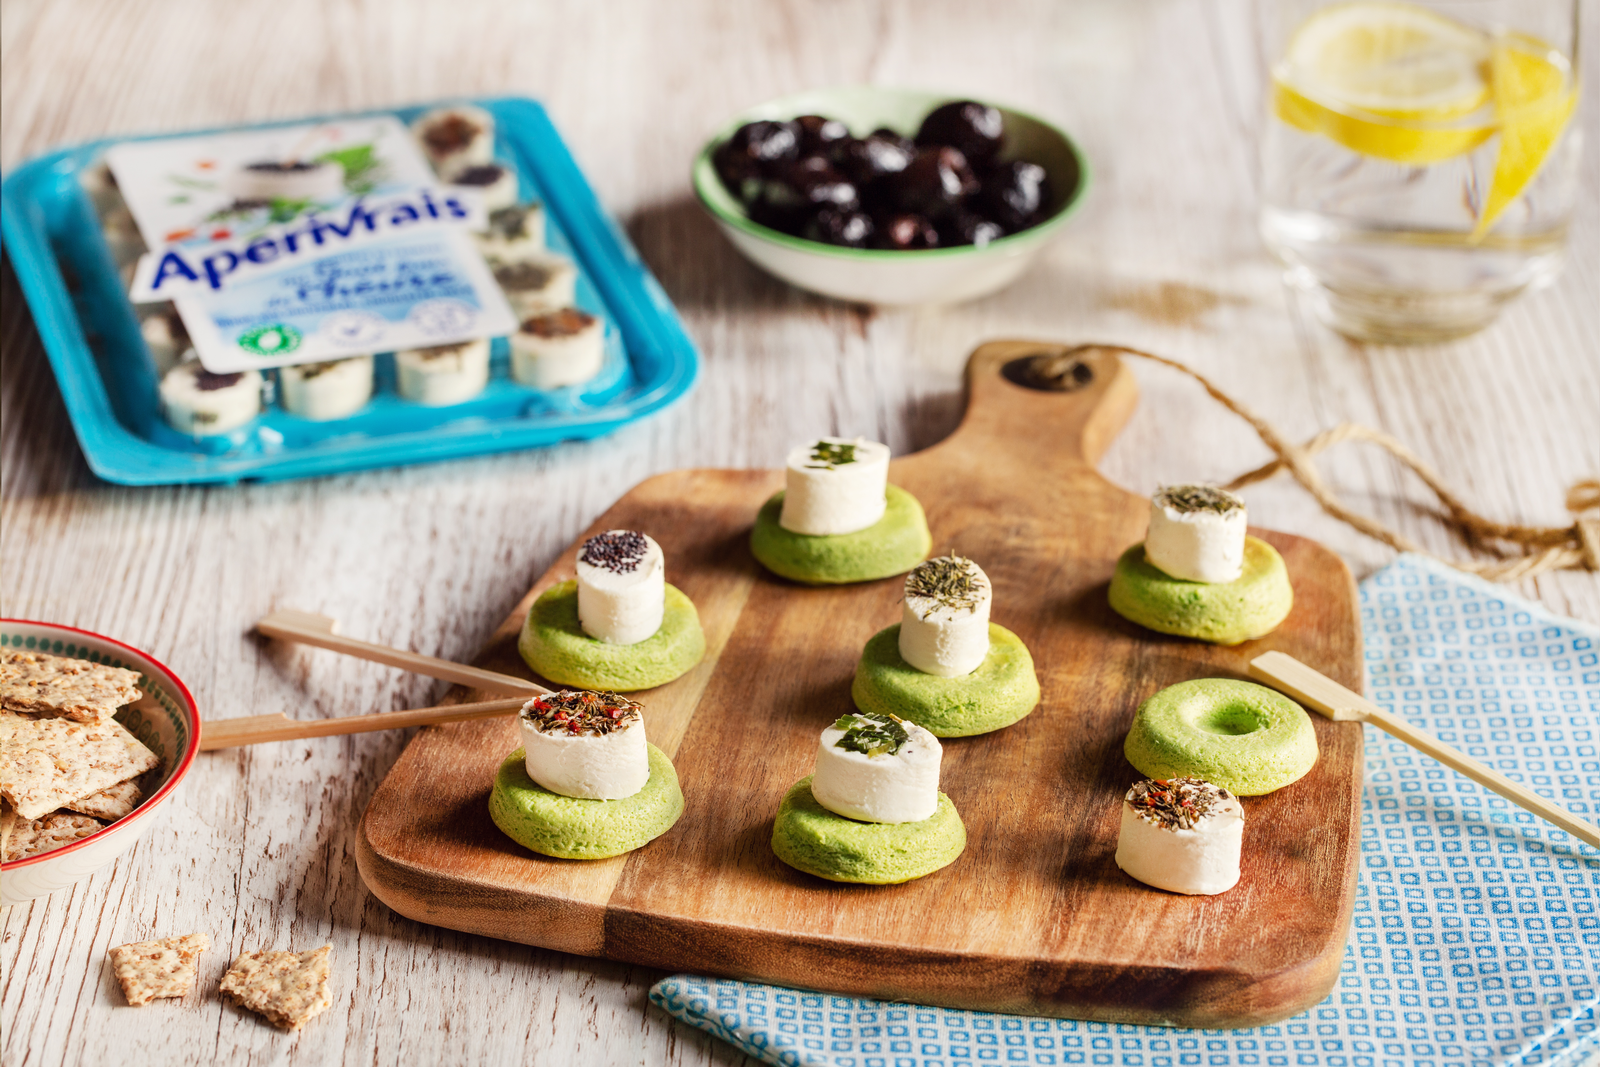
161	968
288	988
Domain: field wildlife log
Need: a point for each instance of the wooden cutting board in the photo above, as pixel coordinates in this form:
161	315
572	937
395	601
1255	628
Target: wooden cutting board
1034	917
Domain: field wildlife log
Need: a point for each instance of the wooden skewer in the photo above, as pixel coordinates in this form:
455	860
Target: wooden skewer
230	733
319	630
1323	694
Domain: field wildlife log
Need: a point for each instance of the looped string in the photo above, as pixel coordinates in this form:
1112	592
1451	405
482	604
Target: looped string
1524	551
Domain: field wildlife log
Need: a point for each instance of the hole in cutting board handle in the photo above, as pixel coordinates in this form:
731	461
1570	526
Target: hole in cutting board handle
1059	371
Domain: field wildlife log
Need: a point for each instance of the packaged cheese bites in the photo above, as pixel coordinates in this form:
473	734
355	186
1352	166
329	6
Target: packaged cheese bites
565	347
444	374
323	391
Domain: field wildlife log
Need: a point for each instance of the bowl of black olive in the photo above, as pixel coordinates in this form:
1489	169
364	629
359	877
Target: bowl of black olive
890	196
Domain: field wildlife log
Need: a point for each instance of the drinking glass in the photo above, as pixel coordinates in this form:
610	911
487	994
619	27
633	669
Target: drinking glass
1419	161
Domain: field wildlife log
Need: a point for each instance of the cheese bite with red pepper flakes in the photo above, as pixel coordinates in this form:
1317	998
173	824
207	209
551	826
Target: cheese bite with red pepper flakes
584	744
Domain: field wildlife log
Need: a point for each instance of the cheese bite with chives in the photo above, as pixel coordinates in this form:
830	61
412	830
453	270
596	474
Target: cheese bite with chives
454	138
195	401
1183	835
444	374
834	485
514	233
1196	533
560	348
872	811
324	391
538	285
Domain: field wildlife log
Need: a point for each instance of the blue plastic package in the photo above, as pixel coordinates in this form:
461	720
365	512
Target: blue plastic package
109	382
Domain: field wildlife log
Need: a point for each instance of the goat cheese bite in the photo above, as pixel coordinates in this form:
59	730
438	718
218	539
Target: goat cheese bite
622	587
454	138
1181	834
583	744
538	285
287	179
1197	533
495	183
324	391
195	401
444	374
564	347
944	620
514	233
834	485
877	768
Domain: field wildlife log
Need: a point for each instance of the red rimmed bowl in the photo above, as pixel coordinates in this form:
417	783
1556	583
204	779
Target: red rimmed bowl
165	719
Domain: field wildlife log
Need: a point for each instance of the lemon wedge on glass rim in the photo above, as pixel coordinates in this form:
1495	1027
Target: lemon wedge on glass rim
1399	82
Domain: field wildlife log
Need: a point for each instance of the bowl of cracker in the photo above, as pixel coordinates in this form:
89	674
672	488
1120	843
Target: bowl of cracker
95	736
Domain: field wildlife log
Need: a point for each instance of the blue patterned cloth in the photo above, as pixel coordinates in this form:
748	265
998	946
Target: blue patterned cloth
1476	937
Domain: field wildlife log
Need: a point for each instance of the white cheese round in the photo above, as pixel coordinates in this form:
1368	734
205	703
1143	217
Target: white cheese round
596	767
942	639
1201	861
823	495
448	374
560	348
197	402
621	597
324	391
902	787
1196	546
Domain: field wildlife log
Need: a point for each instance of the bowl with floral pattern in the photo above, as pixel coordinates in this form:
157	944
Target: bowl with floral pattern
165	719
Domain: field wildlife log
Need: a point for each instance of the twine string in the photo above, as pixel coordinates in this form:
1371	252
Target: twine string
1524	551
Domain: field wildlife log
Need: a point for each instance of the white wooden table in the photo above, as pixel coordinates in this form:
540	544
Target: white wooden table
256	849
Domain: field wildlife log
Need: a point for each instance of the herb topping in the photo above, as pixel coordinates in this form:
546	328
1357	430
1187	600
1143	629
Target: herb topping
952	581
581	712
1190	498
618	551
1176	803
826	455
872	733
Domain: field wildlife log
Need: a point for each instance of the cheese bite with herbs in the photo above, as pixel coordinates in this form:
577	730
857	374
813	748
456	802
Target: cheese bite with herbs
445	374
494	183
514	233
585	784
196	402
1183	835
871	812
1199	574
618	625
945	666
324	391
538	284
838	520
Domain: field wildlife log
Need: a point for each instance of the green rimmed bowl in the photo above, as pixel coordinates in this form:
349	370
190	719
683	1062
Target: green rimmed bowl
166	720
879	276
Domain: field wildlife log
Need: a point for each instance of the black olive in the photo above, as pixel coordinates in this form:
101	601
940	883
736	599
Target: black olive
767	142
817	133
807	184
1015	193
974	128
905	232
905	144
963	227
740	173
836	226
934	183
864	159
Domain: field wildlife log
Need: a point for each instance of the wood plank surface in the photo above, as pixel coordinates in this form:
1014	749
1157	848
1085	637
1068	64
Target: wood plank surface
1034	917
258	847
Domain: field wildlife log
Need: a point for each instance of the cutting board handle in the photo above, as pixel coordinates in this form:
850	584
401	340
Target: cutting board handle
1047	408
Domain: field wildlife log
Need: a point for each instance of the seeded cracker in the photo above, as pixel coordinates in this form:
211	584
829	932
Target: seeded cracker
163	968
8	822
110	804
46	764
289	988
62	687
47	834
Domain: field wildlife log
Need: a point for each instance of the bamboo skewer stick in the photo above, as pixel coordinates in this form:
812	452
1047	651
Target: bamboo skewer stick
256	729
319	630
1322	694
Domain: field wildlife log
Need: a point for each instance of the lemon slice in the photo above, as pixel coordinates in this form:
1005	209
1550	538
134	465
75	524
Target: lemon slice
1534	96
1389	80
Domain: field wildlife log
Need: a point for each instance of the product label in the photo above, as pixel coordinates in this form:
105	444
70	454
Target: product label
307	243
